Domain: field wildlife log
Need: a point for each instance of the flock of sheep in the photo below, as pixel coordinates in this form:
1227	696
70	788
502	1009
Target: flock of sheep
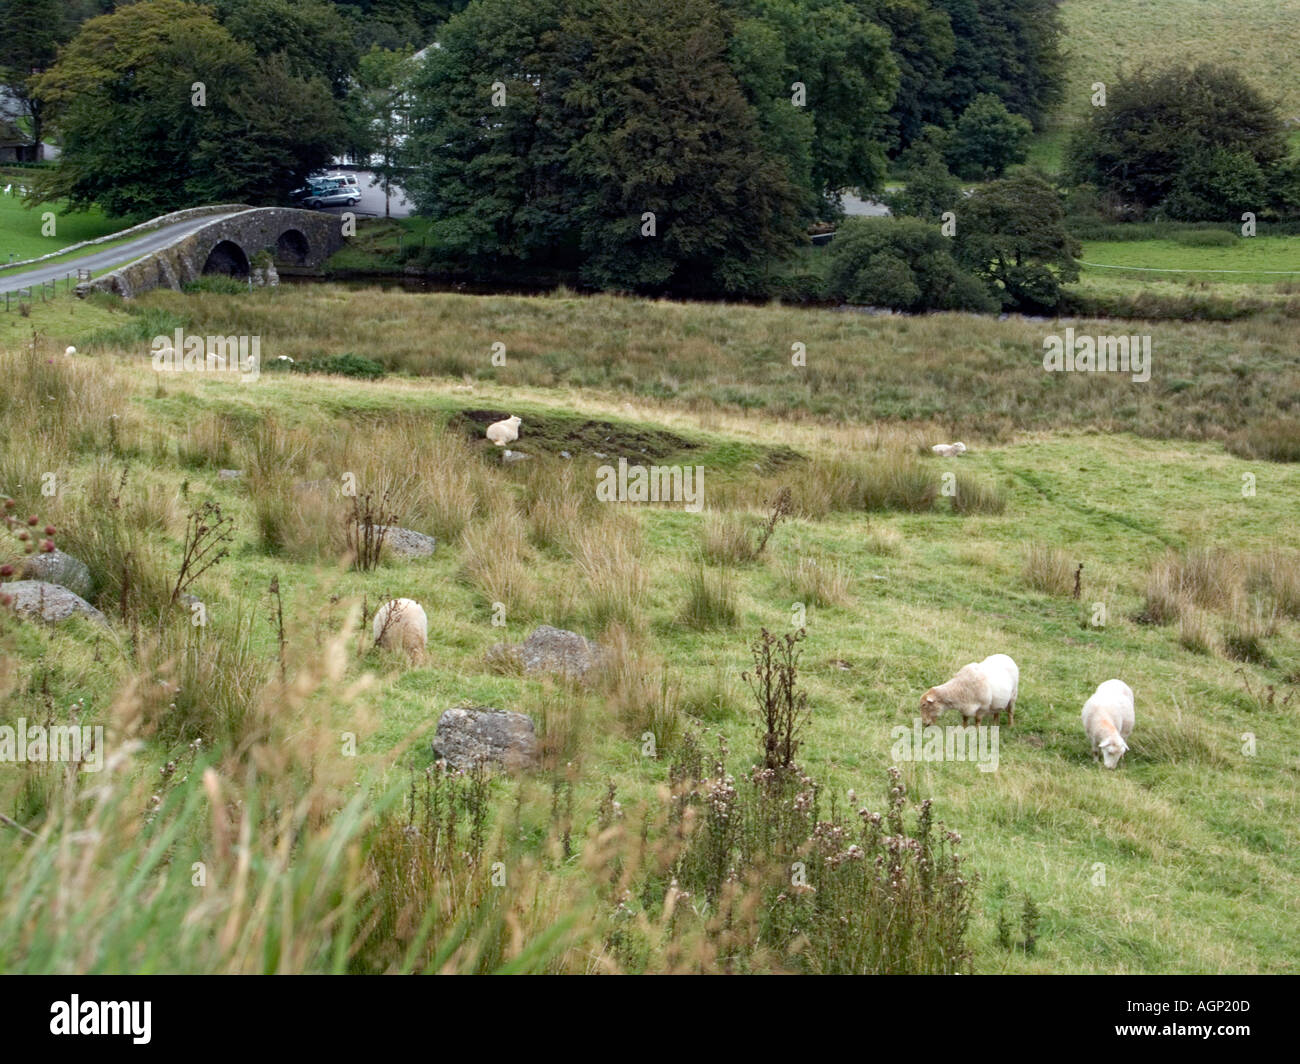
986	688
980	690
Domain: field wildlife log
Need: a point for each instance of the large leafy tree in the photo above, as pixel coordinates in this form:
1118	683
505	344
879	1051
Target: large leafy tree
30	34
137	139
841	56
923	46
987	139
490	132
379	104
1012	234
1198	143
1009	48
546	131
668	132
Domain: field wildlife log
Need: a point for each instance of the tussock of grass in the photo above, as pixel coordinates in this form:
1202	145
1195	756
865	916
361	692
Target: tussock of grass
1049	569
816	580
710	599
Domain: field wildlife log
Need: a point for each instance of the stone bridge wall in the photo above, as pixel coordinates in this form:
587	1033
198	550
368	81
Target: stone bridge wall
296	238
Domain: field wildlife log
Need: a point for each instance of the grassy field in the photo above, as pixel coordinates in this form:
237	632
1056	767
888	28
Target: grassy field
966	373
1106	37
21	227
1259	272
1262	259
1184	859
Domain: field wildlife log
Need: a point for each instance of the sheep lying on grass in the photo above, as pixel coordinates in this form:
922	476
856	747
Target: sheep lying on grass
70	351
503	432
401	624
949	450
1108	720
981	689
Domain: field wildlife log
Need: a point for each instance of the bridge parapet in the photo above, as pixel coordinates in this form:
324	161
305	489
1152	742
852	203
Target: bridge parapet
295	238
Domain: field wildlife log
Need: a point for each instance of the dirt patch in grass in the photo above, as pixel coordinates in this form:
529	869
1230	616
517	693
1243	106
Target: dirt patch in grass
579	436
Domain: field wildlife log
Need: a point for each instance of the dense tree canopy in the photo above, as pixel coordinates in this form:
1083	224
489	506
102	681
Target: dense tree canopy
581	133
684	147
136	137
1008	48
1193	143
902	263
30	34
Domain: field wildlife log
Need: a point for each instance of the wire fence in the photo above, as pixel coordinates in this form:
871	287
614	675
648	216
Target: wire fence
21	299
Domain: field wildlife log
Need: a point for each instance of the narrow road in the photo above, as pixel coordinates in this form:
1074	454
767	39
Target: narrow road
118	255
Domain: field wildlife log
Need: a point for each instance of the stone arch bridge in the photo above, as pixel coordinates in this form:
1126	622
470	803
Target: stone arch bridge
228	243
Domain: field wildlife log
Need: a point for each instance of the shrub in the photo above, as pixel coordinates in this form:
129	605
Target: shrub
903	263
346	365
782	707
876	896
1275	440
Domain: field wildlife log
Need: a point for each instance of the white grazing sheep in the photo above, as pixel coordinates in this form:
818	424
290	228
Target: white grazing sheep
981	689
949	450
1108	719
401	624
503	432
70	351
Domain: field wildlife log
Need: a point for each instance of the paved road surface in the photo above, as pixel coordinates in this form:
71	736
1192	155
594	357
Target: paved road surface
118	255
853	205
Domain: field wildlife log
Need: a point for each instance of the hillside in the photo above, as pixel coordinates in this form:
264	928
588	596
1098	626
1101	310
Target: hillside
1259	37
1183	859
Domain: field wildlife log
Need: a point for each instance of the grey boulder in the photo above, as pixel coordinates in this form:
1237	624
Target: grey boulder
486	736
552	650
56	567
48	602
404	543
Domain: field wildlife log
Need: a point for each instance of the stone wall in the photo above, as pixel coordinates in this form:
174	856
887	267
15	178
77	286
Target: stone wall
251	231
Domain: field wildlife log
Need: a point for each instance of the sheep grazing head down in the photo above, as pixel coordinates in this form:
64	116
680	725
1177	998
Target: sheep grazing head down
503	432
932	704
1112	748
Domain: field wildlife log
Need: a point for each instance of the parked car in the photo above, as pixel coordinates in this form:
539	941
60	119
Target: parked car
327	193
341	177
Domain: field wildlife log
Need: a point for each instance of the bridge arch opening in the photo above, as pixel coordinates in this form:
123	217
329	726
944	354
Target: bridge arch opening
292	248
227	258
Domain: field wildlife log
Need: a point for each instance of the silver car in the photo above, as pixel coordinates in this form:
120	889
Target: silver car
328	194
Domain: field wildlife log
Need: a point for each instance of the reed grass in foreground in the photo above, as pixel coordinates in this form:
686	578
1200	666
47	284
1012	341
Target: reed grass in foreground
1195	834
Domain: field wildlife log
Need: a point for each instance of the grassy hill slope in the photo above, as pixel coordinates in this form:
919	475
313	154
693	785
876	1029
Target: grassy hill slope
1184	859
